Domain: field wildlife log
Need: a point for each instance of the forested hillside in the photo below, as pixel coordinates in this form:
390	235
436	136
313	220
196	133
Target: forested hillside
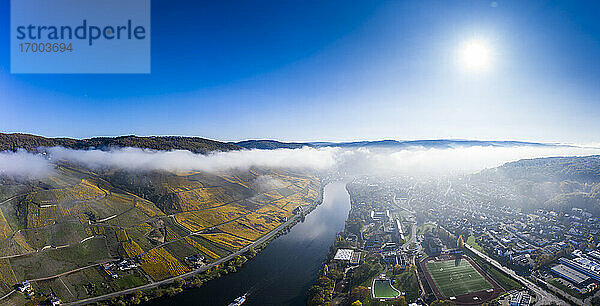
585	168
29	142
560	183
270	144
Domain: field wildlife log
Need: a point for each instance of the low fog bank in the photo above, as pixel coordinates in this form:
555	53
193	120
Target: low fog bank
412	161
182	161
24	165
459	160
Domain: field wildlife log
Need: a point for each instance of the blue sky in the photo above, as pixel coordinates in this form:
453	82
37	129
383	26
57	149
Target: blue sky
287	70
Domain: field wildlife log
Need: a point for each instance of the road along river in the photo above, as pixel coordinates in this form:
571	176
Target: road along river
282	273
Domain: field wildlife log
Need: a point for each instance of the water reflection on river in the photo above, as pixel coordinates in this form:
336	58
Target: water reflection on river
282	273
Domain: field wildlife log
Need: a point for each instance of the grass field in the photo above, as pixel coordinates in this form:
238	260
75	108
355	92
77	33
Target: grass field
471	241
382	289
456	277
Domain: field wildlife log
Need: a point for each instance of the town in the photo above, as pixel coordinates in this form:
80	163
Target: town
401	232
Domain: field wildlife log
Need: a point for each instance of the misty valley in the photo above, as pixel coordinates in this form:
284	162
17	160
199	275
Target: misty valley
137	220
289	153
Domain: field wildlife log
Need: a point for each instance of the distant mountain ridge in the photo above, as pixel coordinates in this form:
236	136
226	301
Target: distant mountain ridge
269	144
29	142
430	143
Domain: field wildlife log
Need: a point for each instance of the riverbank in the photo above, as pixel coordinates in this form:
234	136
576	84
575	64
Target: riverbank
284	270
372	222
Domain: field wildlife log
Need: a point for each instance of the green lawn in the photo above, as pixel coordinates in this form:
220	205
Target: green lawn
456	277
383	289
471	241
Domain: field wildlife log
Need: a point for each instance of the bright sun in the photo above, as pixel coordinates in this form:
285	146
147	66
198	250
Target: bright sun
475	56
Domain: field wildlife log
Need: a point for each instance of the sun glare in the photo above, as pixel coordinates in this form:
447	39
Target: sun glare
475	56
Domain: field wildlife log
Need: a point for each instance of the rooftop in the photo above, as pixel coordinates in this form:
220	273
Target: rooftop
343	254
570	274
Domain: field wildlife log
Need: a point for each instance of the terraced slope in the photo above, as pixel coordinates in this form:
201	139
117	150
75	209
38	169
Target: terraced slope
64	232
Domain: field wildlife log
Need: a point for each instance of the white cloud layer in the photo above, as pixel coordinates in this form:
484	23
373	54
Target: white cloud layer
461	160
140	159
22	164
412	161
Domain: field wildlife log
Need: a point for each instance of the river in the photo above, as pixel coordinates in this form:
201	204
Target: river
282	273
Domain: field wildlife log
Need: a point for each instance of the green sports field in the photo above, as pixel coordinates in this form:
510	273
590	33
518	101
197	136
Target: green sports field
383	289
456	277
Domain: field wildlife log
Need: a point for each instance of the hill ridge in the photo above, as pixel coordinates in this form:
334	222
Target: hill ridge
29	142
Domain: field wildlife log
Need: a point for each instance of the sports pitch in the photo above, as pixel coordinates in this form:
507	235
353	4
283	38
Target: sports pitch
456	277
383	289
